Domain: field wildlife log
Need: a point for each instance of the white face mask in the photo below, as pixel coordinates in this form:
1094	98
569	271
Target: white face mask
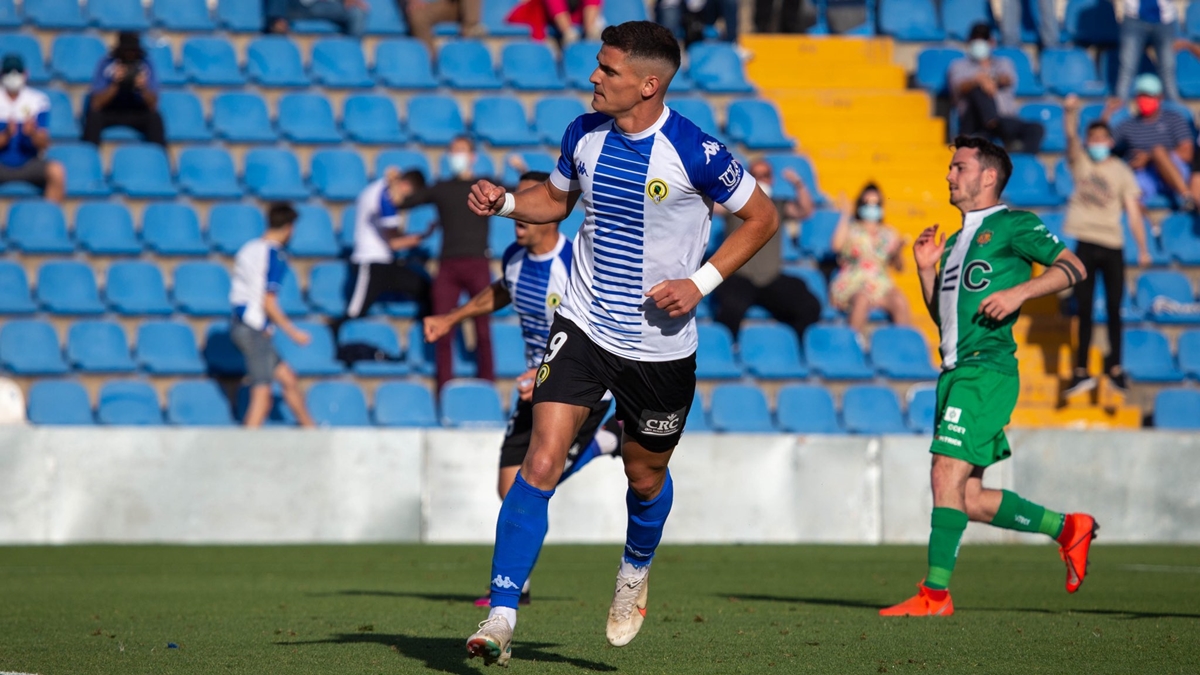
979	49
460	162
13	82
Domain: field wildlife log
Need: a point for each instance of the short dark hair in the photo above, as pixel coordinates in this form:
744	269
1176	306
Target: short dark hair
991	156
980	31
644	40
535	176
862	195
415	178
280	215
1099	124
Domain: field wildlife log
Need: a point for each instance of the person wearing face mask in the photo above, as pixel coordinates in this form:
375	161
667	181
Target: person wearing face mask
866	248
983	88
463	263
1104	188
25	113
1157	144
124	92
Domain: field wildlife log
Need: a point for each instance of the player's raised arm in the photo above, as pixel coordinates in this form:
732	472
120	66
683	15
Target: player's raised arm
927	251
539	204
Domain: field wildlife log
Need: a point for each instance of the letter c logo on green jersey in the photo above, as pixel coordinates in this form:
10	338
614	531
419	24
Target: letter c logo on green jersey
970	282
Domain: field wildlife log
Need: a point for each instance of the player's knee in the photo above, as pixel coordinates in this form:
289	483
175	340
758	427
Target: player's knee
645	483
541	469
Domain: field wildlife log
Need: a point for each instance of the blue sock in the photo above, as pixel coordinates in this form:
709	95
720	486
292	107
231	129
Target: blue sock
646	520
592	451
520	530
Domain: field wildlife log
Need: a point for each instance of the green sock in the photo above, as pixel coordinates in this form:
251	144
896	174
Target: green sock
948	527
1023	515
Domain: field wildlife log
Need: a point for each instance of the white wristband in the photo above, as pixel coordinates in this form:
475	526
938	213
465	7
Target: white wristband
510	203
707	278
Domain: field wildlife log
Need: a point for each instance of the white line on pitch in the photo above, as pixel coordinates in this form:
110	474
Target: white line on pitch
1177	569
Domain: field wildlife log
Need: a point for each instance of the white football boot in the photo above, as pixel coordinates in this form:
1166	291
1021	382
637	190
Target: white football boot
493	641
628	609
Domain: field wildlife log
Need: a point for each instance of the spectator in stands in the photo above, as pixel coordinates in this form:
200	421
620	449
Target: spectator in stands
572	18
687	19
26	113
781	16
258	273
423	15
124	93
761	281
1104	187
866	247
983	88
1010	22
379	234
1157	143
1142	21
350	16
463	266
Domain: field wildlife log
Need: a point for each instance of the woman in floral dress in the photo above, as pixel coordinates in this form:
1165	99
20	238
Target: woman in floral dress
866	248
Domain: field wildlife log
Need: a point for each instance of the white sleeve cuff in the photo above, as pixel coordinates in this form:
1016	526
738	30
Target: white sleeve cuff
558	180
741	195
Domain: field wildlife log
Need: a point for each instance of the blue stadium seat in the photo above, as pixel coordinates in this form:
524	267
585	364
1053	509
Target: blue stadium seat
274	61
378	334
720	71
183	15
740	408
338	175
68	287
494	14
290	300
1029	186
530	66
128	403
173	229
922	409
59	403
815	281
307	118
1177	410
9	16
1187	74
198	403
15	297
418	353
579	62
30	52
385	18
403	160
202	289
1091	22
240	16
619	11
85	175
1050	116
466	64
30	347
404	404
1028	83
959	15
1147	357
910	20
434	120
870	409
467	403
242	118
697	419
1160	252
183	117
553	114
816	234
771	351
136	288
274	174
372	120
118	15
99	347
755	124
1180	238
714	356
533	161
313	236
933	64
166	70
55	14
780	162
699	112
279	414
143	171
231	225
900	353
208	173
221	355
806	409
345	233
1129	312
327	287
1071	71
73	58
315	359
338	62
1064	183
833	352
337	404
1191	21
500	121
63	125
508	349
1110	67
1170	285
168	348
404	63
38	227
211	61
1189	353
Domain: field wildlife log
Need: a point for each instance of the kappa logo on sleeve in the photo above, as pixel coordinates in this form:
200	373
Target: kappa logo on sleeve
581	169
711	148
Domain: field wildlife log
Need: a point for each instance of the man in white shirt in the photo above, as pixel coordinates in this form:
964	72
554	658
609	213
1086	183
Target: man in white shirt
25	113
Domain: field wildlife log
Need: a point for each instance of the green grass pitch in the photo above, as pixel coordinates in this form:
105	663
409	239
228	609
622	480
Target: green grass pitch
713	609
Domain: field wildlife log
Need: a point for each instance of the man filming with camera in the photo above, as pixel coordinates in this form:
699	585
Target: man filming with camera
124	93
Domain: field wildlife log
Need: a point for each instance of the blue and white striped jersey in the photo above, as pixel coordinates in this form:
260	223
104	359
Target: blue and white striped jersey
258	269
537	284
648	201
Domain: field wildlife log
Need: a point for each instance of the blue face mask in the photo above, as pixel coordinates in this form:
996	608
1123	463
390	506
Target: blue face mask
871	213
1099	151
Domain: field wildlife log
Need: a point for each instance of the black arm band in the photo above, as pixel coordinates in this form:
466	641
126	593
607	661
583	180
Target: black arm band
1073	275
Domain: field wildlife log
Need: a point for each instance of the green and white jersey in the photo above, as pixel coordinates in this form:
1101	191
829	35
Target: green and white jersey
995	250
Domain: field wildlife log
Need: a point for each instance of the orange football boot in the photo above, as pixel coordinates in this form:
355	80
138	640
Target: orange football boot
922	604
1079	529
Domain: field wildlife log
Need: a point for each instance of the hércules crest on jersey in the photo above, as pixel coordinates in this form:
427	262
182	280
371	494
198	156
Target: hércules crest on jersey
553	300
983	238
543	373
657	190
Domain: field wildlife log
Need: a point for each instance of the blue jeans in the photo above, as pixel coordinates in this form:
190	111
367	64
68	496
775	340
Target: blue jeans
1135	33
1010	24
349	21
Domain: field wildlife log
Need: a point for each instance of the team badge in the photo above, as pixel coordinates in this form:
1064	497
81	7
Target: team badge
554	300
657	190
983	238
543	373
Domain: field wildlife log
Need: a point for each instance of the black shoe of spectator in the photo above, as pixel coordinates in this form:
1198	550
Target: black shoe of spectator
1079	384
1118	380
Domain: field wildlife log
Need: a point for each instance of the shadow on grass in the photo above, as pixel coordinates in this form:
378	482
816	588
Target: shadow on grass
855	604
449	655
465	598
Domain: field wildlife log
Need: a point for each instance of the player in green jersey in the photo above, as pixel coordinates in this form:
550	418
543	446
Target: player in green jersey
975	295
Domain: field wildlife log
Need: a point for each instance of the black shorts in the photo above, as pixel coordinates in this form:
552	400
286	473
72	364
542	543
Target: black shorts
520	430
653	397
32	171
